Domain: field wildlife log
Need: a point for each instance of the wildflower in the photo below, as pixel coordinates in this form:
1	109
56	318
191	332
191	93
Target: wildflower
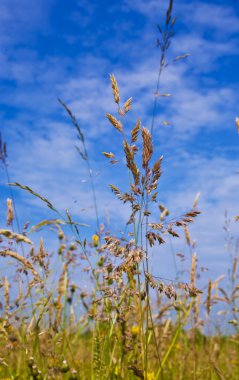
135	330
150	376
64	367
117	371
95	239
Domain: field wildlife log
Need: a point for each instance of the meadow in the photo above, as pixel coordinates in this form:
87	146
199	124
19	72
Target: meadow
129	324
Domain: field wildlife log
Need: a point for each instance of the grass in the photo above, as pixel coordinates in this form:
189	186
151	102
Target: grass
129	324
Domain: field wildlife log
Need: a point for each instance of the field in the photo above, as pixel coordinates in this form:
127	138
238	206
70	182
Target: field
129	324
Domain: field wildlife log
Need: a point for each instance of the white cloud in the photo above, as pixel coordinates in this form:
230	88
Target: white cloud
19	19
222	19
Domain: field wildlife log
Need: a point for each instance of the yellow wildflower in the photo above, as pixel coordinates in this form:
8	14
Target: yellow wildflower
150	376
95	239
135	330
117	370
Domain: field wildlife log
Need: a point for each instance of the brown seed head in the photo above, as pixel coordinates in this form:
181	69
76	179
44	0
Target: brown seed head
10	214
193	269
121	112
115	88
129	154
209	293
127	105
147	147
157	165
135	131
187	235
108	155
115	122
6	294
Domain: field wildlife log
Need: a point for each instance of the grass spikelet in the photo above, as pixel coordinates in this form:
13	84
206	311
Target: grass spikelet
10	213
209	297
127	105
17	237
115	190
135	131
187	234
183	56
73	119
147	147
108	155
3	151
193	269
234	268
115	88
197	307
196	199
129	154
6	296
164	212
115	122
41	254
22	260
97	357
49	204
47	222
169	12
61	288
157	165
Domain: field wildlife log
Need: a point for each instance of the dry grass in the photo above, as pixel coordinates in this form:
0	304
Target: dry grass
130	324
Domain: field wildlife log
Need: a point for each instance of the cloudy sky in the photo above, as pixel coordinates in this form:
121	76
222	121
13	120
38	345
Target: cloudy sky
53	49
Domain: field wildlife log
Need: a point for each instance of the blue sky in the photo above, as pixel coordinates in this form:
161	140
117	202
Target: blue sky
53	49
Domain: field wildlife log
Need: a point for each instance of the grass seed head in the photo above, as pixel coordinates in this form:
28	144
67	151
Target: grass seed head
147	147
10	214
135	131
127	105
115	122
115	88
